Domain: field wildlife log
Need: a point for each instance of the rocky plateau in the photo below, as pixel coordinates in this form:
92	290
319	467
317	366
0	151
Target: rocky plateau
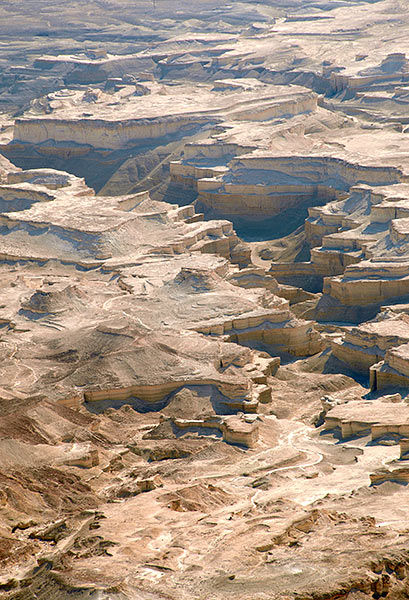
204	300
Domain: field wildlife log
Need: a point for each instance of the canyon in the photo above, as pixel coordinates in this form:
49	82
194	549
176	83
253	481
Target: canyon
204	300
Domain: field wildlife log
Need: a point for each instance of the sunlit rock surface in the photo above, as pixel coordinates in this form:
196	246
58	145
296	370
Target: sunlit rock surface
204	300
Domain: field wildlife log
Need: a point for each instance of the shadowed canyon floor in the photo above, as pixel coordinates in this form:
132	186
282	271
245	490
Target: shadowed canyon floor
204	300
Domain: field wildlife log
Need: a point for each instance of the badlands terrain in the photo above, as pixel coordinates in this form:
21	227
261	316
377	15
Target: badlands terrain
204	300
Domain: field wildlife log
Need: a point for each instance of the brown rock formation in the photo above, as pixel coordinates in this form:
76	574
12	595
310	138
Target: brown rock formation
204	228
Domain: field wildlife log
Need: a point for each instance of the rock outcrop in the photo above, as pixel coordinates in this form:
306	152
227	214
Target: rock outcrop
363	346
100	127
387	415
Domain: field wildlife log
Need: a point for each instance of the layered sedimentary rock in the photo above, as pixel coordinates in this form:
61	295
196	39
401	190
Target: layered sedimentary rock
163	373
392	71
381	417
363	255
100	231
392	371
365	345
133	134
159	257
74	118
364	194
239	429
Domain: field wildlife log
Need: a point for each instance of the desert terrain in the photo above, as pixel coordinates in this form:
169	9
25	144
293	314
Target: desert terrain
204	300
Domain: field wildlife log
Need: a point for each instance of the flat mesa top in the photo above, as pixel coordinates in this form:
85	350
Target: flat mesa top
389	327
372	411
163	100
401	351
95	57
